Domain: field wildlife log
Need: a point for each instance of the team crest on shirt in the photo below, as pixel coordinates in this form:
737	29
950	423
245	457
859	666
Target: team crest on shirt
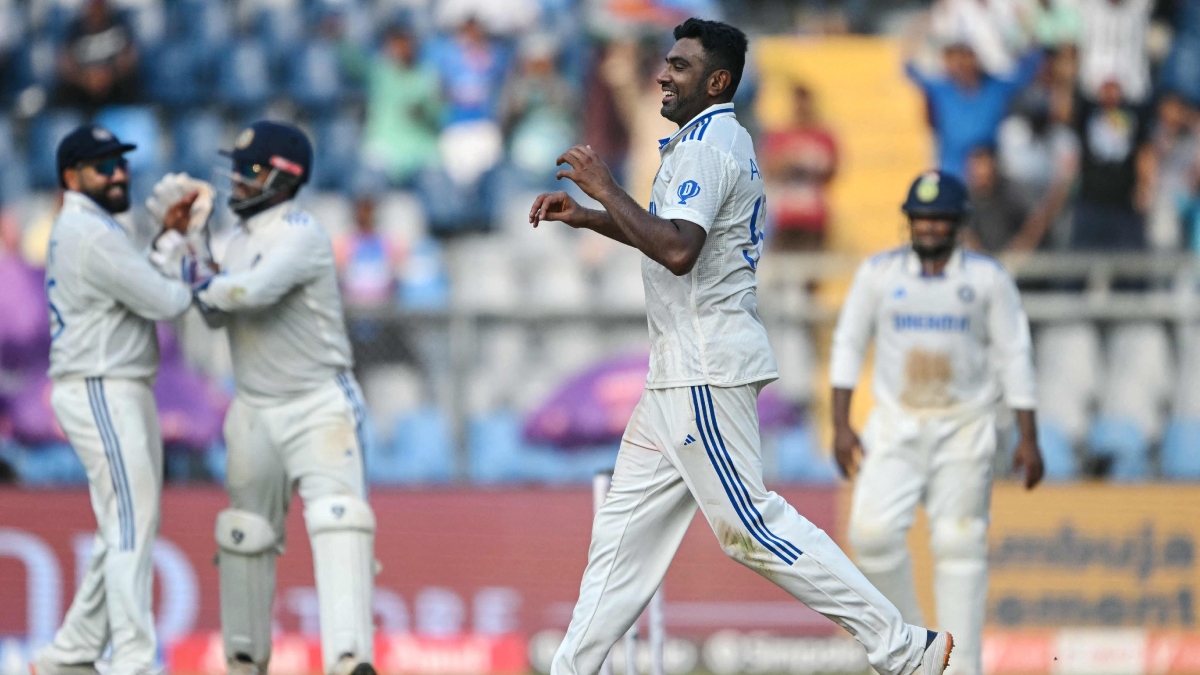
688	190
900	292
966	293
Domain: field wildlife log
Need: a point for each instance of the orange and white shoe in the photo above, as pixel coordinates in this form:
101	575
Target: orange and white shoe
41	665
938	646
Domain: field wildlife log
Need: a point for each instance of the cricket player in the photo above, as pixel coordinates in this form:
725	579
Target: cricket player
693	439
951	343
296	419
104	297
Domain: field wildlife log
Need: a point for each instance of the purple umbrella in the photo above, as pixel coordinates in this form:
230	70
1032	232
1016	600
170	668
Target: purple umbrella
594	406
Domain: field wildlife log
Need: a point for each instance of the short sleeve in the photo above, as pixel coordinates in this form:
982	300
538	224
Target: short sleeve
701	182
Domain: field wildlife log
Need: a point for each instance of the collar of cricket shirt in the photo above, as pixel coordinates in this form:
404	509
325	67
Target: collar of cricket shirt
912	264
697	125
77	201
261	219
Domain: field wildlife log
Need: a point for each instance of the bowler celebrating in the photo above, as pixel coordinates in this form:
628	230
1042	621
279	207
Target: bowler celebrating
693	438
104	297
951	340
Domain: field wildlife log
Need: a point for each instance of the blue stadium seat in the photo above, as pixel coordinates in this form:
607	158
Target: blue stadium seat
499	454
799	458
59	16
336	163
1124	443
1058	455
205	25
33	64
314	77
197	138
425	283
44	134
280	29
138	125
421	451
243	77
175	75
13	179
50	464
1181	450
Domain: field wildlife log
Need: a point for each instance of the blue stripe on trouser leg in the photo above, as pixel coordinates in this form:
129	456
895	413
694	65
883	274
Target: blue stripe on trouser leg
116	469
741	486
735	500
121	473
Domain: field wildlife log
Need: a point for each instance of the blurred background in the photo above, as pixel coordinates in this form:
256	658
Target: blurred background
500	363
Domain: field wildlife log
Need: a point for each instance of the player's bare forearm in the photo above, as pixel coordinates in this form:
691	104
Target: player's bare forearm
841	407
846	444
602	223
674	244
1028	457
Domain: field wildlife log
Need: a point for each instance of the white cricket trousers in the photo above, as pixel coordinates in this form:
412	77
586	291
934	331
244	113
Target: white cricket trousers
113	426
313	443
700	445
944	462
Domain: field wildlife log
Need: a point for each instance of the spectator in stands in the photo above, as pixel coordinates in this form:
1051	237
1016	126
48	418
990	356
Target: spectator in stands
1039	157
367	261
1176	148
538	107
991	29
403	106
966	105
799	162
1116	170
471	66
99	60
998	219
1114	47
1053	23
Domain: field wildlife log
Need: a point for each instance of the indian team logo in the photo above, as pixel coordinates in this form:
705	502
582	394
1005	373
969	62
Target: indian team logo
101	134
966	293
688	190
244	139
927	188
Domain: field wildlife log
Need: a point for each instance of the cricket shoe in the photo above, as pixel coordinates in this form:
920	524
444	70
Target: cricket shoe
350	665
238	666
41	665
937	653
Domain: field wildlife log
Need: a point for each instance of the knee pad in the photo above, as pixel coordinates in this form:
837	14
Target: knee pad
877	545
959	539
341	530
246	565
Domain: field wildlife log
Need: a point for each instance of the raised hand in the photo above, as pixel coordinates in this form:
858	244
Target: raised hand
587	171
557	206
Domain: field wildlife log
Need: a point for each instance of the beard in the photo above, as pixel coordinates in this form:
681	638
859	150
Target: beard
672	110
936	249
113	203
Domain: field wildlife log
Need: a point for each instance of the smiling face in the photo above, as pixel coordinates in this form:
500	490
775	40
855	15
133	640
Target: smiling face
104	180
685	82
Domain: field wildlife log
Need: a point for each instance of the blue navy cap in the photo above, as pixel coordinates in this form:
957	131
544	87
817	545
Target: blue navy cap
937	193
280	146
89	141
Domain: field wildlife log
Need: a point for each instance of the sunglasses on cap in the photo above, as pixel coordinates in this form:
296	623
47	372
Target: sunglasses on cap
107	167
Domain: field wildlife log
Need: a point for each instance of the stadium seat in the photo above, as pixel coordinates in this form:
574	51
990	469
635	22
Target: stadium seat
421	451
50	464
424	283
175	75
44	134
798	458
1123	442
197	138
1058	455
557	284
13	179
137	125
243	77
1181	450
499	454
1140	376
399	215
331	209
206	26
484	275
314	77
58	18
1069	372
336	164
33	65
621	288
281	28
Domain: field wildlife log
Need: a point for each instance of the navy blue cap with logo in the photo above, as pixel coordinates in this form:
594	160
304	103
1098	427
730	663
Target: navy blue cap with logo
90	141
273	144
937	193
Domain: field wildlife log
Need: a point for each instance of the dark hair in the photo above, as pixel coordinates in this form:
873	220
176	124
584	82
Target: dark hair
724	47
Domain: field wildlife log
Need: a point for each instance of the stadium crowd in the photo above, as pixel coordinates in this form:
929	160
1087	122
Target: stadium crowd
1072	121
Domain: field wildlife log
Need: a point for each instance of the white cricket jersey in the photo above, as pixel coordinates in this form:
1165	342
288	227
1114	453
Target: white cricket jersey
947	343
104	297
704	325
278	284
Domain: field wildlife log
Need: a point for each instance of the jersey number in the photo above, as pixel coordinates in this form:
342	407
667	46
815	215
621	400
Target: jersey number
56	322
753	252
